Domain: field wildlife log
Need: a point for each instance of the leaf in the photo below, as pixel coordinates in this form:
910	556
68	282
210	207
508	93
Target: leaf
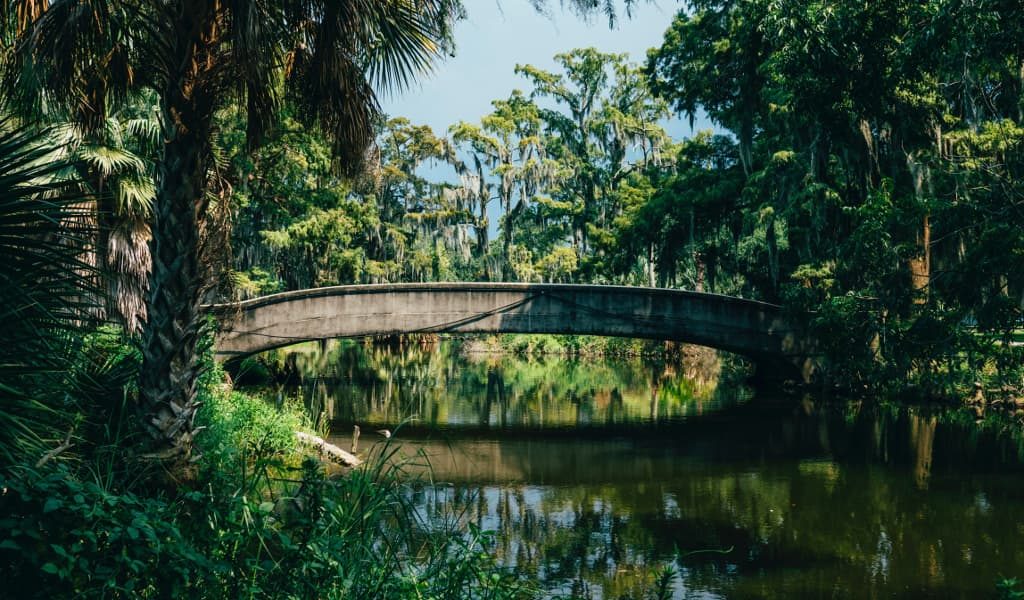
109	161
50	568
51	505
60	551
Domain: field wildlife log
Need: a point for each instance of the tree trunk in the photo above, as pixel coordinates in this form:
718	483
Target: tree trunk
746	145
710	269
506	229
170	371
773	255
481	227
1020	88
651	261
920	266
698	260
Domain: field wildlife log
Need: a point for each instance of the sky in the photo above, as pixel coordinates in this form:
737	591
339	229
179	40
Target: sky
497	35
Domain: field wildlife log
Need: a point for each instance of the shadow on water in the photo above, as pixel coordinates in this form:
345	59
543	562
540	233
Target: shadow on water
596	474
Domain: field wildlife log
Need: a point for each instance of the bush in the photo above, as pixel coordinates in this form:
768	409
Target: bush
63	537
240	431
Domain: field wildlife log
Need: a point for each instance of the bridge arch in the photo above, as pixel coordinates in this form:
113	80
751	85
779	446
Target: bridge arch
750	328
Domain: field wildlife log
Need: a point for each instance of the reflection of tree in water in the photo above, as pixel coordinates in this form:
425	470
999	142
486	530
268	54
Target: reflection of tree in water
574	542
801	522
922	436
388	383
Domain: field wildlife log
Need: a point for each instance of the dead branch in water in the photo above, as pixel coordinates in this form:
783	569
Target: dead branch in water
328	450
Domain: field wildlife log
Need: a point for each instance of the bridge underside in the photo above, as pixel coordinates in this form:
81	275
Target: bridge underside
745	327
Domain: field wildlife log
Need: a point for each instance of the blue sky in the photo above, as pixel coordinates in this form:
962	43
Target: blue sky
498	35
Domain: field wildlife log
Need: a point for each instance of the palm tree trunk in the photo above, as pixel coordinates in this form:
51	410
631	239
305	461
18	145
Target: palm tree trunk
169	369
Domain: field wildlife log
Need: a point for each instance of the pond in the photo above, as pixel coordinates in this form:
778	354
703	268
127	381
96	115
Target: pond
597	474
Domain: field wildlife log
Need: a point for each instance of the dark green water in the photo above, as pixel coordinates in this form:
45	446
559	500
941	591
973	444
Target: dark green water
597	474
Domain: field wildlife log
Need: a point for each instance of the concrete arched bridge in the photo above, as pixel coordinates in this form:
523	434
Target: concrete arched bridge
746	327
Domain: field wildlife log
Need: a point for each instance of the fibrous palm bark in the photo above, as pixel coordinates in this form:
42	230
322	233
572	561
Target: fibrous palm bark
170	370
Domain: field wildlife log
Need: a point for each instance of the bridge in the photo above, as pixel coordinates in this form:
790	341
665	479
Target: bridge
750	328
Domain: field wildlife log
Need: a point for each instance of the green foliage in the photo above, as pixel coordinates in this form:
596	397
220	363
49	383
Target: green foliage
861	189
254	283
555	173
260	521
559	265
321	539
580	345
63	537
46	284
299	224
1010	589
239	429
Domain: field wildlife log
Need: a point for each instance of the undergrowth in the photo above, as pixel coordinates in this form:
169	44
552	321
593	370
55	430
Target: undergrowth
259	520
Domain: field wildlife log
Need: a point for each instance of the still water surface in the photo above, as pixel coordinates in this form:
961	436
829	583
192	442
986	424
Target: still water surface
596	474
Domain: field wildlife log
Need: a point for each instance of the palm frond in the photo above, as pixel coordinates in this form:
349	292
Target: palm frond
135	196
409	37
110	160
146	131
46	288
76	55
343	53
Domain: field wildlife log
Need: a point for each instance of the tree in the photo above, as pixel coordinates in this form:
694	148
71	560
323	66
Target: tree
605	112
196	55
508	141
432	218
116	164
862	130
711	60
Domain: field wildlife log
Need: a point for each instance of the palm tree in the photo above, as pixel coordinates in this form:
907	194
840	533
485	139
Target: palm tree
331	58
116	165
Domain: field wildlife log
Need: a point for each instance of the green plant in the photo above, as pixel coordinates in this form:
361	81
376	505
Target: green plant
1010	589
261	522
47	287
65	537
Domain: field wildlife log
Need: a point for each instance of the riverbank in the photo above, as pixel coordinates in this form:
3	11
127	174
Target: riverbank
256	515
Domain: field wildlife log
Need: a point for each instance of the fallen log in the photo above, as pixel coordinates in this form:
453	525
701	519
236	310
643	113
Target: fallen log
328	450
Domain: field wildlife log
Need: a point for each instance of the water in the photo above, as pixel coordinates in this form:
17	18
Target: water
596	475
